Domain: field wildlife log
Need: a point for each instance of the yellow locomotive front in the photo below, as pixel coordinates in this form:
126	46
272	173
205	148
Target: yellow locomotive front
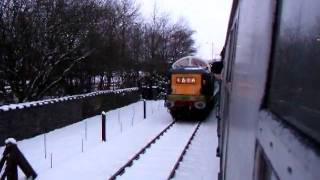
190	85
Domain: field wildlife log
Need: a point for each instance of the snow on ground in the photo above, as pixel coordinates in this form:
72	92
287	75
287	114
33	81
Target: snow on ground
123	125
200	160
77	150
157	162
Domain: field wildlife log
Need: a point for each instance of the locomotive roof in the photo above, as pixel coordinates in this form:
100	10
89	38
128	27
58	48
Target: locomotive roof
191	63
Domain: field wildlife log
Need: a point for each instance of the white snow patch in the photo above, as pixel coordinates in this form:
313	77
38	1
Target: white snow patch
10	141
126	132
78	151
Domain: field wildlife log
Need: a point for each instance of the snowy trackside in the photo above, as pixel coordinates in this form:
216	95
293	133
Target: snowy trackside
200	161
65	144
158	161
77	151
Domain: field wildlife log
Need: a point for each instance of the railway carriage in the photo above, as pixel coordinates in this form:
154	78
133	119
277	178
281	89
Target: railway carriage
190	86
270	100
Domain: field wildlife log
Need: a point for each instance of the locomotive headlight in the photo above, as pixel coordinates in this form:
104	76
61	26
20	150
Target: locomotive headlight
169	104
200	105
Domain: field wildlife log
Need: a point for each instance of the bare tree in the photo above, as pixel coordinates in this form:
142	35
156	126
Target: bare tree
41	41
59	47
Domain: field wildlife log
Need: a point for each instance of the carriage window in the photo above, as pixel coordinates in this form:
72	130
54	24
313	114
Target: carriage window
294	93
232	52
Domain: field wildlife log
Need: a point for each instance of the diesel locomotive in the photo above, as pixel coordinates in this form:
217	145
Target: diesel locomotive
190	86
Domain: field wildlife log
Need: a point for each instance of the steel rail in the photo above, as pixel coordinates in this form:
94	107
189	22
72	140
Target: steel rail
136	156
176	166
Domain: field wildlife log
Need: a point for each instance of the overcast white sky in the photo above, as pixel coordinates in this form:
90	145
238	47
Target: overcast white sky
209	18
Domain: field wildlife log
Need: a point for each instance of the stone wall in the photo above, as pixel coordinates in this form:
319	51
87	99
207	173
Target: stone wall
30	119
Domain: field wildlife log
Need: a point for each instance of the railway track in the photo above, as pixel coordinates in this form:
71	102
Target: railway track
162	154
176	165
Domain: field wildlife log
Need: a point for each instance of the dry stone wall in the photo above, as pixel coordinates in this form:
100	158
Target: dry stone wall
26	120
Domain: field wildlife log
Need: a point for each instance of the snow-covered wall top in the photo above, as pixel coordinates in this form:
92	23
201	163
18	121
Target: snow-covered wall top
26	120
61	99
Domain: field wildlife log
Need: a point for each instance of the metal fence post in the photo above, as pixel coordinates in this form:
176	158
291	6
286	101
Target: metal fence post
103	126
144	109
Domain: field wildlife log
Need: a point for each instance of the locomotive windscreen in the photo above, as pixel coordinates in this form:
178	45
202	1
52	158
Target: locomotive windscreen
191	62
